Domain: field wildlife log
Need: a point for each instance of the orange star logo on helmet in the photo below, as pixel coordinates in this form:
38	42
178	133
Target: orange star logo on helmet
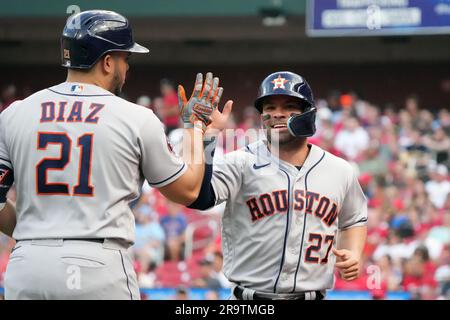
279	82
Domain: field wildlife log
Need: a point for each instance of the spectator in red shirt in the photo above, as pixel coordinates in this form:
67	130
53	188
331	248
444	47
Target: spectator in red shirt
419	275
170	110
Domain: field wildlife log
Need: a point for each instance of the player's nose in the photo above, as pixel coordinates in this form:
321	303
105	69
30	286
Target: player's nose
279	112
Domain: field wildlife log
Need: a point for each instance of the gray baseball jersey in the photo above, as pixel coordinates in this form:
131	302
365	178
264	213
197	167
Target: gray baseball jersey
80	155
280	222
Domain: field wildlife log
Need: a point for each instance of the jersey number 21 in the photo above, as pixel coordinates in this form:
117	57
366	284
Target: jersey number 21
83	187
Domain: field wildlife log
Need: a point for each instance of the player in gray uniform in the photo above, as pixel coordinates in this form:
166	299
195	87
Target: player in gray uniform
292	208
78	154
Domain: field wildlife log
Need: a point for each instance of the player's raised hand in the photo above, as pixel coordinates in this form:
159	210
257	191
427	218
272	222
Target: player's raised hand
347	263
201	104
219	119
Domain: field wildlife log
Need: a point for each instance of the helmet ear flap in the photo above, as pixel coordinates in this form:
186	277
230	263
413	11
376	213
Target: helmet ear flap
303	125
84	52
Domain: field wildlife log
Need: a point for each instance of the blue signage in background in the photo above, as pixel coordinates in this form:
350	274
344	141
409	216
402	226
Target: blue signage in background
377	17
224	294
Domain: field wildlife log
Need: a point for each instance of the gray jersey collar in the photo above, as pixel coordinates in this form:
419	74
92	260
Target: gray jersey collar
260	149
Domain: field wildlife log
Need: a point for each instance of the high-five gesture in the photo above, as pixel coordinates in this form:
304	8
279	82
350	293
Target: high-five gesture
220	119
196	112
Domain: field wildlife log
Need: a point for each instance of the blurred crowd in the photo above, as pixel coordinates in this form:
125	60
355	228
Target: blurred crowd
402	157
401	154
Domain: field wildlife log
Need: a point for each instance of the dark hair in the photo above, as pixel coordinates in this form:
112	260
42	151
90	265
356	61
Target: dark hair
389	258
182	289
422	252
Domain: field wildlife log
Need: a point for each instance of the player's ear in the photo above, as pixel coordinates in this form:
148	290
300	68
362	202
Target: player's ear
107	63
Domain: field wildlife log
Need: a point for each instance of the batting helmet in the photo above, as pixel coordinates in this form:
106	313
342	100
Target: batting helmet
291	84
88	35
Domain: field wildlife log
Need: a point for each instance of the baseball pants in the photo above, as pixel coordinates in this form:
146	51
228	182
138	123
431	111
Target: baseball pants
70	270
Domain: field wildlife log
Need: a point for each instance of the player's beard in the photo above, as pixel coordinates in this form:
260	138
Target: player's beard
117	83
284	140
275	136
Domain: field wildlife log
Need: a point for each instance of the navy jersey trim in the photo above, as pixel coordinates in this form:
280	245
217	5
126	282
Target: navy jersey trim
304	220
126	275
286	231
249	149
159	182
359	221
81	95
5	160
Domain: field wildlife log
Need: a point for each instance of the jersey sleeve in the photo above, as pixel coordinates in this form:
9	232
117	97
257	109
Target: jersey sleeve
354	208
6	169
227	176
159	164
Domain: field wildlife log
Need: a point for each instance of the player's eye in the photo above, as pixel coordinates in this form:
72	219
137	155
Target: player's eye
292	106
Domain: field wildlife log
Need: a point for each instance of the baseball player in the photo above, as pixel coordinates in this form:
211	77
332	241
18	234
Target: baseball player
292	209
78	154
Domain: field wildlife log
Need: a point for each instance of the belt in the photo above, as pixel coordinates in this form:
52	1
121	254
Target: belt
107	243
238	293
99	240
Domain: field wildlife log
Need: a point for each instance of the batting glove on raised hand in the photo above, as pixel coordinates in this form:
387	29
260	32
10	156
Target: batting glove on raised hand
204	100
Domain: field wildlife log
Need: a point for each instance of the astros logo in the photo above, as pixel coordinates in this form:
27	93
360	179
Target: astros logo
279	82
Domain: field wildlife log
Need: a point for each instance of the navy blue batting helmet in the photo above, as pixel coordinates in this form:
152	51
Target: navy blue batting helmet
88	35
293	85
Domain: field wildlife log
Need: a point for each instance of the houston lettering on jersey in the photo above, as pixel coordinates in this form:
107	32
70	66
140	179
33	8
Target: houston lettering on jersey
52	111
267	204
